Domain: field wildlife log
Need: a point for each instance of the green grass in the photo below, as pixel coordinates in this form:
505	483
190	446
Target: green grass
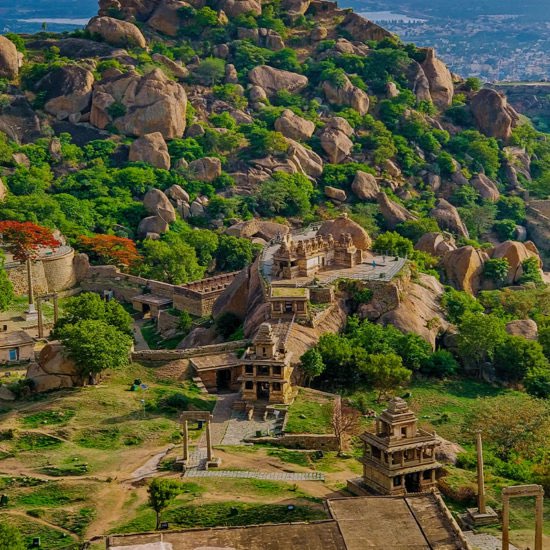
307	415
98	438
50	538
155	340
31	441
291	457
52	494
48	418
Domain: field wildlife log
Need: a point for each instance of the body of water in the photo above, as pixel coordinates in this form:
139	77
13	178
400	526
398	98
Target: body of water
57	21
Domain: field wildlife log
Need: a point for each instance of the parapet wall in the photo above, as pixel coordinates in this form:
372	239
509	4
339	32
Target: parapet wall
173	355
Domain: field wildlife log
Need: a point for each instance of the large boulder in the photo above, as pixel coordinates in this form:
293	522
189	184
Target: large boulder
393	213
418	82
486	187
365	186
294	126
346	95
439	79
304	160
205	169
336	144
152	225
150	148
139	105
516	253
363	30
338	195
435	244
116	32
19	121
527	328
166	18
3	191
343	225
295	8
256	228
9	58
493	116
234	8
129	9
448	218
464	268
158	204
273	80
177	193
176	68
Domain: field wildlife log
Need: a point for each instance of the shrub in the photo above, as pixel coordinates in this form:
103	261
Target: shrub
531	271
505	229
496	269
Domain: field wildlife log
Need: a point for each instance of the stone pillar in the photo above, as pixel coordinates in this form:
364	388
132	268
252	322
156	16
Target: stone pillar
55	308
208	442
539	520
505	522
31	308
185	441
40	318
481	508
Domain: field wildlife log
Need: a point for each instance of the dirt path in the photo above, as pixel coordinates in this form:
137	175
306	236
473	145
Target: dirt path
140	344
150	467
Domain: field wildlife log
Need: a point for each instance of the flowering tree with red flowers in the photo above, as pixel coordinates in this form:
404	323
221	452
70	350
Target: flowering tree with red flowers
111	249
24	240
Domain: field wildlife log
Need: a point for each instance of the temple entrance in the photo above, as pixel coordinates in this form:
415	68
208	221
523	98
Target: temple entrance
412	483
223	380
262	390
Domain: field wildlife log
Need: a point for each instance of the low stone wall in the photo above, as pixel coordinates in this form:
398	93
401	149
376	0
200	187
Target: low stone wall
164	355
315	442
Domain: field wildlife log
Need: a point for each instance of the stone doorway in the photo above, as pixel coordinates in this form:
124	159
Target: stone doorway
412	482
223	380
262	390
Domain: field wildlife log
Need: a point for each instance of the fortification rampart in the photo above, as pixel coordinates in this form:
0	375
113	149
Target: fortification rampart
163	356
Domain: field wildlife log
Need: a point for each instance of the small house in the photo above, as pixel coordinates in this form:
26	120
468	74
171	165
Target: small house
15	347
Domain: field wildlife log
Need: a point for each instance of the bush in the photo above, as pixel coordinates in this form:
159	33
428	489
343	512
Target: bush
505	229
227	323
531	271
440	364
496	269
394	244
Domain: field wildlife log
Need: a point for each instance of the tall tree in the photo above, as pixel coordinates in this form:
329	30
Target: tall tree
385	372
111	249
345	422
311	364
161	493
6	288
25	240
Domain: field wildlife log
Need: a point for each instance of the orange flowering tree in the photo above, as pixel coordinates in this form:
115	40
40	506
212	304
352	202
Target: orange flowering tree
25	240
110	249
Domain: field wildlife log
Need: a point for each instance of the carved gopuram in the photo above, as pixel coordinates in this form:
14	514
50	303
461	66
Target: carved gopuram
400	457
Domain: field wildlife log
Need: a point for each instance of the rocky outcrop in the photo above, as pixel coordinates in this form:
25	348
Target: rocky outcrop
365	186
393	213
152	149
526	328
448	218
177	69
493	116
116	32
234	8
129	9
515	253
362	29
139	105
3	191
439	78
19	121
304	160
166	18
294	126
205	169
419	311
336	144
158	204
9	58
177	193
54	370
272	80
342	225
257	228
435	244
338	195
347	95
152	226
486	187
463	268
418	82
295	8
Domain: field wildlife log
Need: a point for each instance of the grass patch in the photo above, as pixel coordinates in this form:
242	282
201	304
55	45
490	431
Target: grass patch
104	438
155	340
66	471
309	414
52	494
50	538
291	457
51	417
33	441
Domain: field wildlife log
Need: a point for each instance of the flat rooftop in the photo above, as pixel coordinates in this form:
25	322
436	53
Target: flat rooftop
14	339
215	361
152	299
415	522
288	292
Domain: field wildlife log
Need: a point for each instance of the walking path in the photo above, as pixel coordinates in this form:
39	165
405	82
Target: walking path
140	343
272	476
483	541
150	467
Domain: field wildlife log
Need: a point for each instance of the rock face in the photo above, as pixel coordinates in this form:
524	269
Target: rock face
3	191
418	82
439	78
158	204
166	18
138	9
347	94
116	32
234	8
295	8
365	186
54	370
150	148
393	213
178	70
516	253
294	126
256	228
493	116
435	244
362	29
336	194
486	187
336	144
152	226
304	160
139	105
272	80
342	225
464	268
9	58
527	328
205	169
448	218
19	121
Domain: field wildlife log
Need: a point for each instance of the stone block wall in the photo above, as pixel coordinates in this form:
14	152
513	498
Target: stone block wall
59	271
316	442
17	274
321	295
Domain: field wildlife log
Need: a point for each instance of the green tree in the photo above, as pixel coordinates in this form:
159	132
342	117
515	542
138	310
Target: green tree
95	346
544	339
505	229
285	194
393	243
210	70
511	208
234	253
385	372
312	364
496	269
441	364
457	303
6	288
10	538
515	356
537	382
161	493
479	335
531	271
185	322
